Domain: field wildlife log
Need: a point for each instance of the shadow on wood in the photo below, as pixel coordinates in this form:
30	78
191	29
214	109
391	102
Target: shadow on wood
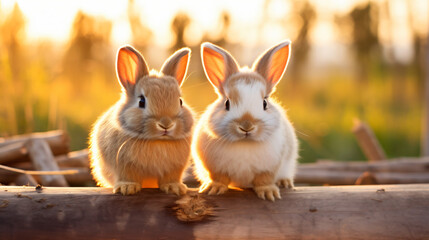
358	212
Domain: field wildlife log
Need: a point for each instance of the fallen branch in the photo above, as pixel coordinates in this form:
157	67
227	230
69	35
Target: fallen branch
30	172
368	142
43	160
12	150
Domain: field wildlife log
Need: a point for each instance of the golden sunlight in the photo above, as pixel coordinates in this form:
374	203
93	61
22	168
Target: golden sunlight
349	59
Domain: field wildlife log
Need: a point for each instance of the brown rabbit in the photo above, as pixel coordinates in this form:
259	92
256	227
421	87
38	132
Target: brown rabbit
146	135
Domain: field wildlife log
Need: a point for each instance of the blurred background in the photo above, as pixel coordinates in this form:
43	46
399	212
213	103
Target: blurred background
350	60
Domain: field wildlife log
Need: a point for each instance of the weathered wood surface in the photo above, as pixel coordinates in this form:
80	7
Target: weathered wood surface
368	142
349	212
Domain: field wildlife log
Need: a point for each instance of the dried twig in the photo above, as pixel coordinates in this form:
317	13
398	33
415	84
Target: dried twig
59	172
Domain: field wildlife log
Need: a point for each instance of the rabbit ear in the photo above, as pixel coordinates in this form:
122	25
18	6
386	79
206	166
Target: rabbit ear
130	67
218	64
272	64
177	65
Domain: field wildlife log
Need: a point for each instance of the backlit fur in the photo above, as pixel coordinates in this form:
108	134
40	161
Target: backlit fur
221	148
129	148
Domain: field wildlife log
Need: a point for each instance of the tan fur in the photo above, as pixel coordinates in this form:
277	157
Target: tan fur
127	148
220	177
163	88
133	159
263	178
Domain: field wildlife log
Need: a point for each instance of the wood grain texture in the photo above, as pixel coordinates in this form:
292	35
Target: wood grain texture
349	212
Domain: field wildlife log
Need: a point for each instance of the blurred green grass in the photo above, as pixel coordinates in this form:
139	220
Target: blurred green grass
322	111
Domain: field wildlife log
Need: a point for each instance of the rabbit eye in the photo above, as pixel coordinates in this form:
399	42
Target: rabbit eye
142	102
227	104
181	102
265	104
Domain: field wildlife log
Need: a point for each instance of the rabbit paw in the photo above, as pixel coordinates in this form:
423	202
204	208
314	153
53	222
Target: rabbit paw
286	183
127	188
174	187
270	192
216	188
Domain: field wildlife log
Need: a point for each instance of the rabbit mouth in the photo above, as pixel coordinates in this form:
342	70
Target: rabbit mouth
165	133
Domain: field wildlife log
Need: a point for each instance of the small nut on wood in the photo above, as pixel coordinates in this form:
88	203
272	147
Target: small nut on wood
381	190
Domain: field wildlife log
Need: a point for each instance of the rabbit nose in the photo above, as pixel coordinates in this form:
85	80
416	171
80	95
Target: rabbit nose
165	124
246	126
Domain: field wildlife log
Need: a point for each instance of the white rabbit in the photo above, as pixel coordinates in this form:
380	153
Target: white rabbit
244	138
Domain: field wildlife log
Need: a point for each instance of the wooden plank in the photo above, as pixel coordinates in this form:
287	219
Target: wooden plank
43	160
350	212
368	142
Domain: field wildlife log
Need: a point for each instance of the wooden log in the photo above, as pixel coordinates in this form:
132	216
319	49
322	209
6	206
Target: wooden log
349	178
43	160
352	212
12	150
25	179
368	142
367	178
391	165
82	178
50	136
74	159
6	177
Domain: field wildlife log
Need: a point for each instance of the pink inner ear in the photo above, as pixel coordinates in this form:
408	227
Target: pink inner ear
278	64
214	66
127	66
181	68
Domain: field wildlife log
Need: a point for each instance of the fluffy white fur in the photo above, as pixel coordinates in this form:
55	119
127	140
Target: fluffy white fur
276	149
271	147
